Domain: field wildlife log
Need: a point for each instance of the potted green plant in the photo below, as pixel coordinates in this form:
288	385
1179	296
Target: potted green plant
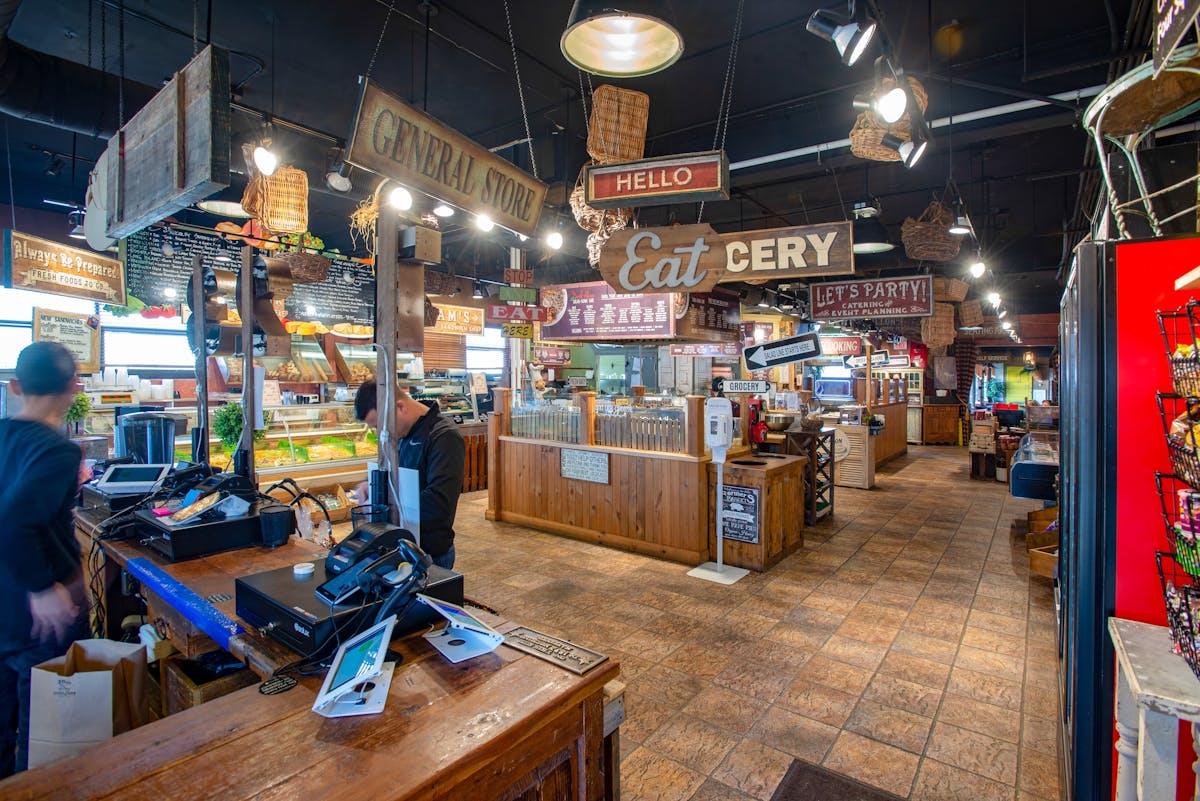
227	425
80	408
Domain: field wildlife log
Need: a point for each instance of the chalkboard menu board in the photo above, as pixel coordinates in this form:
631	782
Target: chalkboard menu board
157	259
739	514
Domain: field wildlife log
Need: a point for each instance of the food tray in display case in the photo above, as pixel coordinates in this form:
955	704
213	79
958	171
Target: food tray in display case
355	360
306	435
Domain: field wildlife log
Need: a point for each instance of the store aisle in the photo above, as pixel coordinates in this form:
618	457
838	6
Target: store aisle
906	645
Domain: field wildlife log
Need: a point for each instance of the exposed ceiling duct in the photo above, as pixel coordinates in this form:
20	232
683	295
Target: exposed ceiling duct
54	91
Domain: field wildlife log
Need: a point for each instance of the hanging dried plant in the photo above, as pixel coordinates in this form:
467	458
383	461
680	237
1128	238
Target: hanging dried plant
362	222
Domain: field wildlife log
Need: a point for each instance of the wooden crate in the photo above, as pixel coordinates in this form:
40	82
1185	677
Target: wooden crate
1043	561
1044	515
181	691
1041	539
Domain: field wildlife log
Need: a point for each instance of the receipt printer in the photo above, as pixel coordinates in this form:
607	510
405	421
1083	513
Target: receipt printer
369	539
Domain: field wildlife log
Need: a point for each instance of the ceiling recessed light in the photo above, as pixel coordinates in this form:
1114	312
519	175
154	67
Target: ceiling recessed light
442	210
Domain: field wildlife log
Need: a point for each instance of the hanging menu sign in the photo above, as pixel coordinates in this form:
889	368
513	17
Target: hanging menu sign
552	356
41	265
397	141
1172	19
460	320
596	311
159	259
709	316
730	350
879	297
79	333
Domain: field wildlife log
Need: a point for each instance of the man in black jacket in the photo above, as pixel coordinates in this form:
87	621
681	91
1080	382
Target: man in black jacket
432	445
41	577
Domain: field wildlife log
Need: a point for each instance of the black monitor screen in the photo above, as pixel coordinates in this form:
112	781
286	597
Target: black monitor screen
1010	418
133	473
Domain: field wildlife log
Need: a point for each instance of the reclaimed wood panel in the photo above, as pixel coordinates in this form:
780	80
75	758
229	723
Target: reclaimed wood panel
652	504
893	440
780	488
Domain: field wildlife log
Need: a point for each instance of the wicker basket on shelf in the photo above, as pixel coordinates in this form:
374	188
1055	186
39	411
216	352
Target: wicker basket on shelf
928	238
279	201
866	137
970	313
617	131
950	290
938	330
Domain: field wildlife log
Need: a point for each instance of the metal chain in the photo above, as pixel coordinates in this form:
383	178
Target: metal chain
587	120
520	89
12	198
121	63
195	28
379	41
726	103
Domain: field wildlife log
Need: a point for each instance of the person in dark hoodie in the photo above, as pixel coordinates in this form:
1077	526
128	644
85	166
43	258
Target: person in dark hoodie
41	573
431	444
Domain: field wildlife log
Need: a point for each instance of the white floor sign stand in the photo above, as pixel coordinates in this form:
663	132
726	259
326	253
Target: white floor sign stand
718	436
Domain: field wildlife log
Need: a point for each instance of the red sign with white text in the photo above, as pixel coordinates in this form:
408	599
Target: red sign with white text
911	296
503	313
695	176
841	346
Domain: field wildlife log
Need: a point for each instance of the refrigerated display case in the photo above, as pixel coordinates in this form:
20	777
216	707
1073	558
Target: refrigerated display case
1111	446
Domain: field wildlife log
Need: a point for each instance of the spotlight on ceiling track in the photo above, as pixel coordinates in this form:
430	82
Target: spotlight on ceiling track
484	222
870	235
477	291
994	299
849	33
625	40
977	268
554	240
962	224
337	171
400	198
442	210
75	225
910	150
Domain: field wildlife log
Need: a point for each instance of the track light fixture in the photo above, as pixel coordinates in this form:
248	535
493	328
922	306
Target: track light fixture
400	198
910	150
977	268
870	235
337	171
634	37
554	240
888	105
994	299
477	291
442	210
962	224
763	303
75	224
850	33
484	222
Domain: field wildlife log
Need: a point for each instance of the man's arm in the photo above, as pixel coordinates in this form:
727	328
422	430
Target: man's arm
443	479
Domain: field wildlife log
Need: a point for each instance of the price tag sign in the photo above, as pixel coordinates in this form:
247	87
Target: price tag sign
517	330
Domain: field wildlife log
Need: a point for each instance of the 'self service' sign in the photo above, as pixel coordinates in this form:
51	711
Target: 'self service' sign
880	297
395	140
44	266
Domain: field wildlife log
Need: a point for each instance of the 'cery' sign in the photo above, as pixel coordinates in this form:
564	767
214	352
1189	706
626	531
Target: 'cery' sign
680	258
821	249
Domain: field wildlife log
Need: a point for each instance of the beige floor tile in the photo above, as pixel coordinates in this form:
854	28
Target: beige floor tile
873	763
649	776
967	713
692	742
754	769
926	647
854	652
794	734
901	694
995	642
890	725
724	708
940	782
978	753
838	675
713	790
1039	734
643	716
817	701
915	669
1039	775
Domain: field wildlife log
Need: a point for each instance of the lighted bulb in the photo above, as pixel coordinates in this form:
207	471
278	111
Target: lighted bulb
994	299
442	210
891	105
265	160
484	222
1003	313
522	237
978	269
1006	325
400	198
554	240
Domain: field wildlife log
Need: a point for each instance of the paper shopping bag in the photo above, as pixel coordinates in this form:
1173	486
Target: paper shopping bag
94	691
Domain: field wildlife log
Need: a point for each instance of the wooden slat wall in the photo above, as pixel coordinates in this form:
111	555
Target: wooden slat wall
893	441
445	351
651	505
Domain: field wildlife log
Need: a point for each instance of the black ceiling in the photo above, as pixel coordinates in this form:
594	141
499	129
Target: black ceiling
1019	171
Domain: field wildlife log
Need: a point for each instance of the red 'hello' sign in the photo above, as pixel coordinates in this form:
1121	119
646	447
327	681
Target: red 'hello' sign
658	181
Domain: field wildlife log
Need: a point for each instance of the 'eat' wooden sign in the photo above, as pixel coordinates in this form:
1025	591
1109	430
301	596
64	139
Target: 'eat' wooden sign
680	258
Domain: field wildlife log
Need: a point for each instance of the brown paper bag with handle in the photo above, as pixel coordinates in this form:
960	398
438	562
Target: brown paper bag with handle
97	689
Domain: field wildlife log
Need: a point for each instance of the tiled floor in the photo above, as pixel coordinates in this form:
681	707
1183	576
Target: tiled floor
906	645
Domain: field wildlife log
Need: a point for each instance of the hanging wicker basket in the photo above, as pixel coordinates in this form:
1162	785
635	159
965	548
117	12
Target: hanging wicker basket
866	137
950	290
938	330
928	238
279	201
599	223
970	313
617	131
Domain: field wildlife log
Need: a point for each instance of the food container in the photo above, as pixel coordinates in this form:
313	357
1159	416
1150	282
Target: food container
777	422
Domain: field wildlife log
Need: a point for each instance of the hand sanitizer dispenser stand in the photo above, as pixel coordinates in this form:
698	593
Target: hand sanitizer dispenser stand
718	436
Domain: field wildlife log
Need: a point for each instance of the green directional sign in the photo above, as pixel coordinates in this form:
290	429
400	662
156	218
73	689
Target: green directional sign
519	294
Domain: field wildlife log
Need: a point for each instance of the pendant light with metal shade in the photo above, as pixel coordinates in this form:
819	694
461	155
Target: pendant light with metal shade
870	235
621	38
849	33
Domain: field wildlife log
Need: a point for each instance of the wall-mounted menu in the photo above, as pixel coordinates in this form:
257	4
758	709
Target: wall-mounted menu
159	260
596	311
710	317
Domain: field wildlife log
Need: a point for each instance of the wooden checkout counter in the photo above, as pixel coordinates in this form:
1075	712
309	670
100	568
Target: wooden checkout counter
504	725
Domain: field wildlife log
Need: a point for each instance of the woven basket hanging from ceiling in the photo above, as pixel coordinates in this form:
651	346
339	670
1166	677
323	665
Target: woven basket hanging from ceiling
928	237
599	223
617	131
866	137
951	290
939	330
279	201
970	313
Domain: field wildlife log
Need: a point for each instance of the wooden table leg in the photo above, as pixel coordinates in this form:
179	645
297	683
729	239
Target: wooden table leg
1158	747
1127	742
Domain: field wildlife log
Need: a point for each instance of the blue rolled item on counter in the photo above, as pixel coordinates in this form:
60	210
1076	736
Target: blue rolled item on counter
205	616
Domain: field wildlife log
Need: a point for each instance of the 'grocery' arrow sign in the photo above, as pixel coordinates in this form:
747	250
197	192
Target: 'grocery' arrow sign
783	351
745	387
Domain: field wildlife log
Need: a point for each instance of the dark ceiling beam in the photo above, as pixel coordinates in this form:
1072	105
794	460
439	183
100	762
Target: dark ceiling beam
1001	90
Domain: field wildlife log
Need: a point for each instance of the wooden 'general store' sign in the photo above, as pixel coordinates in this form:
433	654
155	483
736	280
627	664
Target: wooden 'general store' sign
657	181
397	141
680	258
40	265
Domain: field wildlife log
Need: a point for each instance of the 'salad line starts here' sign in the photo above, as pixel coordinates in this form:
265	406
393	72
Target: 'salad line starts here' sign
397	141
